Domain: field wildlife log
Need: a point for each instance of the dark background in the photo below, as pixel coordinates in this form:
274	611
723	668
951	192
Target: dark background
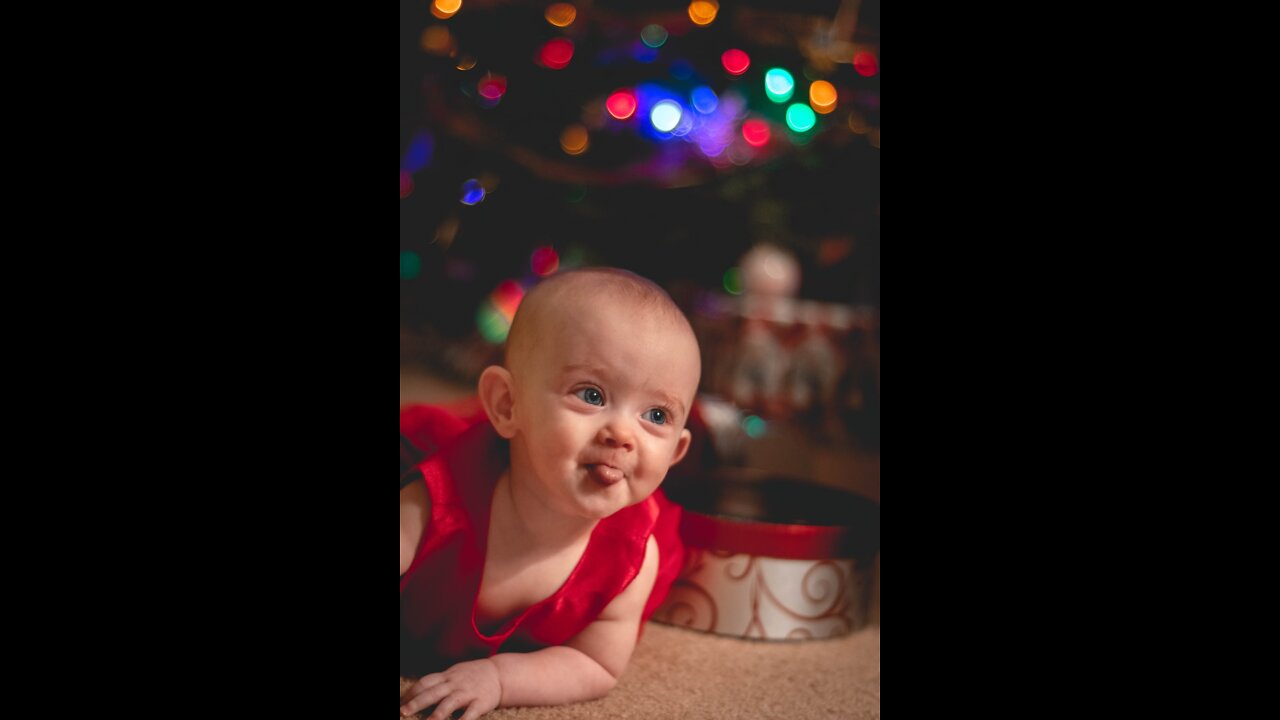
659	208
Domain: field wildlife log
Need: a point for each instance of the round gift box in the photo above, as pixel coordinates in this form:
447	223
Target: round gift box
771	558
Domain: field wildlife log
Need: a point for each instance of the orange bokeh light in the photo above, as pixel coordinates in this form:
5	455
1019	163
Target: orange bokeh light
561	14
445	9
574	140
702	12
822	96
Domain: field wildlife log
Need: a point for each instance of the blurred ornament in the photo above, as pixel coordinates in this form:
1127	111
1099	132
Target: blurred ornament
761	364
770	270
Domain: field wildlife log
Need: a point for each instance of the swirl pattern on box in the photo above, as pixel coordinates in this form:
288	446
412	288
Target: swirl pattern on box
767	598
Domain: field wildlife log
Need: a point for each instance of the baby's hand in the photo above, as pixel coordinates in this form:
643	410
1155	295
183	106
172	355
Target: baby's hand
472	685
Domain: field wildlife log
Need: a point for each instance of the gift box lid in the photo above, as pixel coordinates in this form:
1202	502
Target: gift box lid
743	511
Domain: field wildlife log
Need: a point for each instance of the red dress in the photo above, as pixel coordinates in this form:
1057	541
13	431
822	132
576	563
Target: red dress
438	593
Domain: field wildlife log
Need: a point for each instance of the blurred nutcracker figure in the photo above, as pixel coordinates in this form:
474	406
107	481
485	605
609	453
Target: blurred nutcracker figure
770	278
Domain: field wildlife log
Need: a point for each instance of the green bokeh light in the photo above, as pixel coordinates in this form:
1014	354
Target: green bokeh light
778	85
754	426
410	265
733	281
492	325
800	117
653	35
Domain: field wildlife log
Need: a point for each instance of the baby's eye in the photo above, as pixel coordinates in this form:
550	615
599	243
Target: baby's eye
657	416
590	396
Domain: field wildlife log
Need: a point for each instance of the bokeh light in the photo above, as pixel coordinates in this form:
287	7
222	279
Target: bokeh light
642	52
573	140
778	85
665	115
704	99
756	132
544	261
681	70
822	96
406	184
445	9
472	192
410	265
492	87
800	117
437	40
735	61
466	62
653	35
685	126
561	14
733	281
506	298
446	232
556	54
755	426
492	325
703	12
621	104
740	154
419	153
865	63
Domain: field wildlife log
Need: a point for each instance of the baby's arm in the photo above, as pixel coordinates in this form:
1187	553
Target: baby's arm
585	668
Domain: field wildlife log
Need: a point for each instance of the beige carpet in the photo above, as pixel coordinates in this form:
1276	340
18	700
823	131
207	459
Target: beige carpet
678	673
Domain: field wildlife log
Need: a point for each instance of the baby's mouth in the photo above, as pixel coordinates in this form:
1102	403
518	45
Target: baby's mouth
606	474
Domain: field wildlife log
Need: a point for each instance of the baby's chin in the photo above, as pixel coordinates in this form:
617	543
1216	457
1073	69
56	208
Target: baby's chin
603	502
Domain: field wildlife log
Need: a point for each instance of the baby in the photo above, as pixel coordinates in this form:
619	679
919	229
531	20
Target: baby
533	546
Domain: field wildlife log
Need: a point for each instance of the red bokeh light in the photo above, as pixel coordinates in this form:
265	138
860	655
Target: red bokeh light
865	63
621	104
755	132
506	297
735	61
544	261
493	87
556	54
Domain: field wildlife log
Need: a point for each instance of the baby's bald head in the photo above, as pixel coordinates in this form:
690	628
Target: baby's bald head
631	298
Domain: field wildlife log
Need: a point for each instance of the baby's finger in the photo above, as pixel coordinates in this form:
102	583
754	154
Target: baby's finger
474	710
424	699
445	709
425	682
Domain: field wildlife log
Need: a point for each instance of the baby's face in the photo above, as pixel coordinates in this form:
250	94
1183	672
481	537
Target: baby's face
601	405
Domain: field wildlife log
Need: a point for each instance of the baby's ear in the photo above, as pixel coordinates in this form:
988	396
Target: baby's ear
682	446
495	396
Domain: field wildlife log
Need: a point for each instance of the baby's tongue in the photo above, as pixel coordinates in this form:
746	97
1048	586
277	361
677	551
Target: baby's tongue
606	475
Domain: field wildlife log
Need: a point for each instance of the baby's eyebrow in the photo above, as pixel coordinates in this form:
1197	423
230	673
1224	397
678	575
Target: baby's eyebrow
588	369
672	402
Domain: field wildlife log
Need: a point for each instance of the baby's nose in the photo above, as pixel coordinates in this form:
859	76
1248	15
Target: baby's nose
615	434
